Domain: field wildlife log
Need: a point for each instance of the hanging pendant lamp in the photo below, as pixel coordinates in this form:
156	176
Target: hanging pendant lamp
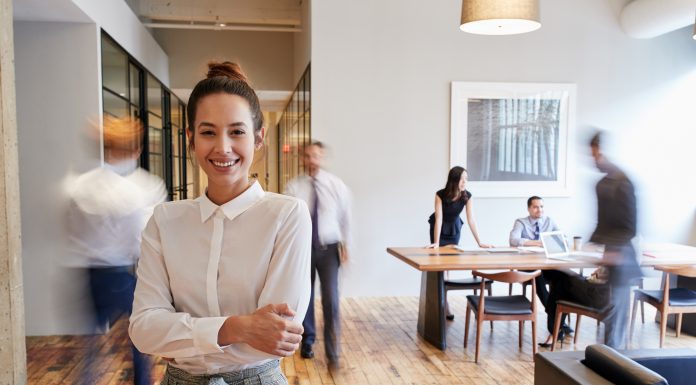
500	17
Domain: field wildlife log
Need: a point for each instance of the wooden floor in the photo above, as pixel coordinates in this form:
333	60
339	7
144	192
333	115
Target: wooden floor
379	346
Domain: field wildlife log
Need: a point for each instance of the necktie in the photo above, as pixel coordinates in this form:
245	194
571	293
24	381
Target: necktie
315	216
536	231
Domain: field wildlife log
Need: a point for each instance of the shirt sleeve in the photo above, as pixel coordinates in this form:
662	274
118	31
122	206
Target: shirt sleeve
288	279
155	325
290	189
516	238
553	226
346	218
628	213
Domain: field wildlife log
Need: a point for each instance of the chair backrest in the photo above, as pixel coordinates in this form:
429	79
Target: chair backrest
686	271
508	276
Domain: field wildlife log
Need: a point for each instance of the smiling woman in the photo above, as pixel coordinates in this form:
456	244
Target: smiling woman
224	279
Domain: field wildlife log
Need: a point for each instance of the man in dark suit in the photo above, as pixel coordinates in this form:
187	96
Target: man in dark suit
616	226
609	286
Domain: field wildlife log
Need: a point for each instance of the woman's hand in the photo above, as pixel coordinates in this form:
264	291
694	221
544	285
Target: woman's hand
485	246
266	330
433	246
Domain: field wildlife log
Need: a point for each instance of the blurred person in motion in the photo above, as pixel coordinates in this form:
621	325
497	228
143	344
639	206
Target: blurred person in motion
608	288
617	215
330	208
223	280
108	210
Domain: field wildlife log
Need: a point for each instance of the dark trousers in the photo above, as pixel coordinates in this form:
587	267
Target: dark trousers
546	277
112	291
613	297
560	283
325	261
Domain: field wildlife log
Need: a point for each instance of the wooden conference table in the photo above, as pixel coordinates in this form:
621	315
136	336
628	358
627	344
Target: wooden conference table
434	262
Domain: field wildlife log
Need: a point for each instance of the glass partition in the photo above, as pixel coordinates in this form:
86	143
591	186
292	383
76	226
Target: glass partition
128	89
294	131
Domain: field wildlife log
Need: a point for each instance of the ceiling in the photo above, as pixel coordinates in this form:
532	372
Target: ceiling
249	15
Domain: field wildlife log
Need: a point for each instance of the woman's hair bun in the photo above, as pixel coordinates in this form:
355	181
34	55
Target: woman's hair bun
226	69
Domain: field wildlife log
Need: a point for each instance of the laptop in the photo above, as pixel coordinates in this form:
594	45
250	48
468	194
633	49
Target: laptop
556	247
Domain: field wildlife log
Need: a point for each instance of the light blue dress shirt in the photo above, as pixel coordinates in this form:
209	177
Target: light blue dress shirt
524	229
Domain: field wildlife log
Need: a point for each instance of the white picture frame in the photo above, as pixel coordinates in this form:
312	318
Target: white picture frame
514	138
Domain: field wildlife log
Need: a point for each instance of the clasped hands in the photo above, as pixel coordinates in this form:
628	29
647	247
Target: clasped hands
268	329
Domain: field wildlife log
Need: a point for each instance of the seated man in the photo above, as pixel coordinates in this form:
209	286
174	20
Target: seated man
525	232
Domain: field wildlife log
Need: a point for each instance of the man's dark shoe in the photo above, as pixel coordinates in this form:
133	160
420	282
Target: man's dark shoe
306	351
567	329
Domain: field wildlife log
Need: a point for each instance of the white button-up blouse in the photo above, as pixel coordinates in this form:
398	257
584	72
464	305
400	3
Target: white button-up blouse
201	263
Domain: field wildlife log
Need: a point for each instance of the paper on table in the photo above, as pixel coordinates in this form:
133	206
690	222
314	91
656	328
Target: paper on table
532	249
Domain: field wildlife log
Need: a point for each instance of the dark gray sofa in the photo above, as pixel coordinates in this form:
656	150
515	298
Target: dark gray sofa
600	365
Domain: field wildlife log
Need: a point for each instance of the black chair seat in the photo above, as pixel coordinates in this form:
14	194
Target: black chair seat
502	305
677	297
466	283
580	306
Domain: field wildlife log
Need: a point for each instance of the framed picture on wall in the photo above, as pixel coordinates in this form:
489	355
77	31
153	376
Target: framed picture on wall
513	138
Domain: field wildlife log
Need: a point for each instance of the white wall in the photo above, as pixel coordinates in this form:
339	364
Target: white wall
119	21
57	83
381	73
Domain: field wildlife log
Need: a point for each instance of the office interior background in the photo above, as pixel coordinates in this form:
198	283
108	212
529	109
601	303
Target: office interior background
369	78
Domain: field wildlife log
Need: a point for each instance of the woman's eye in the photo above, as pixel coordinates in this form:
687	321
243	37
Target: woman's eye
207	133
237	132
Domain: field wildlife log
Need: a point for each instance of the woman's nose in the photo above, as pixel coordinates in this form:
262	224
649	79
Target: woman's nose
223	144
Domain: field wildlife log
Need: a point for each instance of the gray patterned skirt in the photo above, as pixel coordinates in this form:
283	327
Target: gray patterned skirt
266	374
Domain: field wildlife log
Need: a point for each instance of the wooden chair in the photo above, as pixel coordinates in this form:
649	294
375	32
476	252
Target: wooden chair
568	307
502	308
668	301
469	283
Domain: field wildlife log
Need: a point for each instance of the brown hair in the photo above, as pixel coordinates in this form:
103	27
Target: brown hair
227	78
124	134
596	139
452	190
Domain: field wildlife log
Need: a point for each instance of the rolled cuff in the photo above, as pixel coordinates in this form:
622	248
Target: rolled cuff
205	334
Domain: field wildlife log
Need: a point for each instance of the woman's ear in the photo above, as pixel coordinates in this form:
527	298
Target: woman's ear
260	135
189	136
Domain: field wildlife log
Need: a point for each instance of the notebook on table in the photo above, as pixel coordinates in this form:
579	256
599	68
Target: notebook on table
556	247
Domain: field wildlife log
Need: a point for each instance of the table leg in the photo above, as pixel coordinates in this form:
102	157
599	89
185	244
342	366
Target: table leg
431	310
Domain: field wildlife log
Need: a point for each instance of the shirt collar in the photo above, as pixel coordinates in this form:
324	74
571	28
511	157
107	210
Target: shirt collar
533	221
320	175
234	207
123	167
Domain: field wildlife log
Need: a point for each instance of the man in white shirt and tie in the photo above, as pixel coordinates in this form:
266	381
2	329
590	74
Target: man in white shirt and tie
328	200
525	232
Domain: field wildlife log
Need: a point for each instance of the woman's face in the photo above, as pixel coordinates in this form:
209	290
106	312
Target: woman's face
224	139
462	181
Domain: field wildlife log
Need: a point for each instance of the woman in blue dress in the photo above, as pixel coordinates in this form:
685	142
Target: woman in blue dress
446	222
